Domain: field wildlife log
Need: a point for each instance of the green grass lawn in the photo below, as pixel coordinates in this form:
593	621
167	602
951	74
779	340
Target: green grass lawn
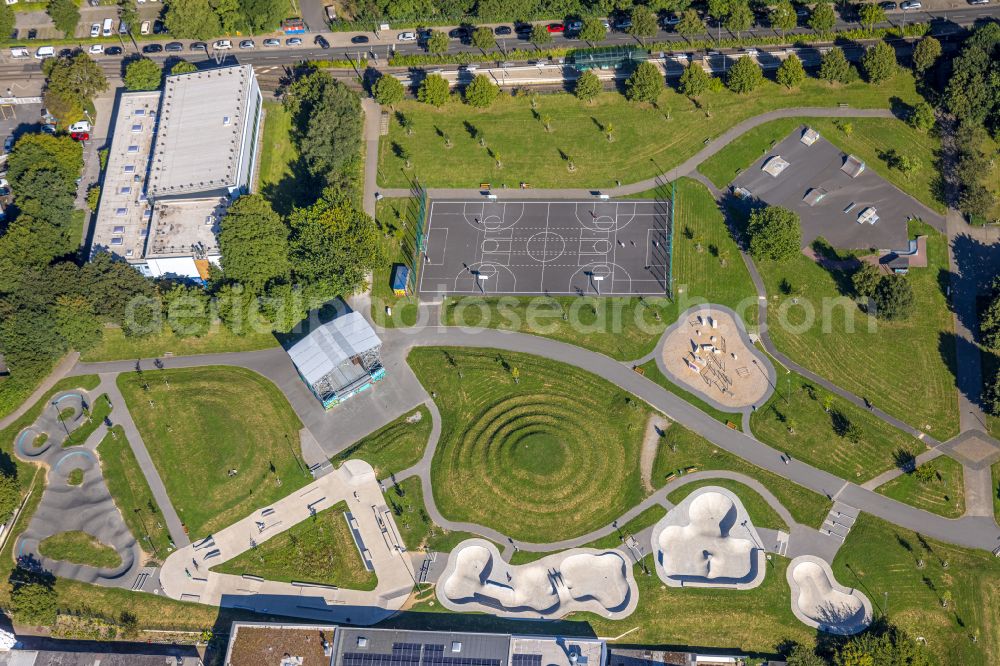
944	494
200	423
761	513
278	178
130	490
79	548
75	477
551	456
393	447
707	268
320	550
682	451
821	438
648	141
397	219
881	559
868	138
914	382
995	469
652	372
419	532
99	410
116	346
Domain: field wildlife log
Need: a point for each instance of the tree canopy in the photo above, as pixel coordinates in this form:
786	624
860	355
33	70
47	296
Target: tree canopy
870	13
973	92
388	90
783	16
775	233
437	42
694	80
481	92
70	85
893	297
879	62
588	86
328	123
791	72
823	17
925	54
183	67
744	76
483	39
835	68
64	14
592	31
143	74
192	19
433	90
254	243
643	23
644	84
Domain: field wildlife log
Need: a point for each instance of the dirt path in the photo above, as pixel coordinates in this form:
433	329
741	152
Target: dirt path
656	424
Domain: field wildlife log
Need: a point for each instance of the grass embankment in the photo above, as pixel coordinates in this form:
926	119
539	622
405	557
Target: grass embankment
79	548
130	490
223	439
397	219
99	410
795	420
648	140
907	575
116	346
681	451
393	447
761	513
943	494
871	139
419	532
652	372
539	450
707	269
828	333
320	549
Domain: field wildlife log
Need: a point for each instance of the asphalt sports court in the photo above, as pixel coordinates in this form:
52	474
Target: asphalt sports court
568	247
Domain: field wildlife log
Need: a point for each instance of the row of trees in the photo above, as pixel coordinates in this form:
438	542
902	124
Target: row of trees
71	84
883	644
205	19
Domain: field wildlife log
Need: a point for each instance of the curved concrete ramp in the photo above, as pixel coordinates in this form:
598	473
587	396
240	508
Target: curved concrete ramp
708	541
582	579
818	600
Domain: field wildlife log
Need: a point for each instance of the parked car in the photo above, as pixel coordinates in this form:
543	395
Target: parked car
523	28
96	49
802	12
198	46
145	27
95	30
359	39
623	23
152	48
33	33
458	33
576	25
555	27
113	50
321	42
159	28
671	19
122	28
173	47
911	4
79	136
979	2
502	30
8	144
889	6
272	42
65	53
222	45
293	41
247	44
407	37
80	126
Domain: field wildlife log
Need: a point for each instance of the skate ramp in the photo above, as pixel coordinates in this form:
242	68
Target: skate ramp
818	600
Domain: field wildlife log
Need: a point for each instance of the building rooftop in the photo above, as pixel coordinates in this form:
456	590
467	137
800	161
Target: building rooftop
384	647
331	345
184	227
123	216
544	651
279	645
201	124
61	658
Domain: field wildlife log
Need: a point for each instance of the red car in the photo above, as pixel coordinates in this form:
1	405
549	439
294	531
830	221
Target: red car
555	27
79	136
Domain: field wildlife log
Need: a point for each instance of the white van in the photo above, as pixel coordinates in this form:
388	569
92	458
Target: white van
45	52
108	25
19	52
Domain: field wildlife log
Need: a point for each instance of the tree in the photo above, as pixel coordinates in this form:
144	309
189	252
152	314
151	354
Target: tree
991	394
744	76
925	54
483	39
694	80
327	115
143	74
870	14
791	72
588	86
775	233
433	90
481	92
783	17
64	14
110	284
44	151
976	200
127	13
7	19
260	16
989	322
187	310
183	67
924	473
77	76
643	23
893	297
254	243
823	18
719	9
690	24
93	197
76	322
388	90
10	496
192	19
644	84
800	654
835	68
973	92
922	117
540	36
883	644
437	42
740	18
592	31
865	280
879	62
33	603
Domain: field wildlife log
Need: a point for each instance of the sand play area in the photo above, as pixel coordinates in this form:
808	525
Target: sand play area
708	541
820	601
709	352
582	579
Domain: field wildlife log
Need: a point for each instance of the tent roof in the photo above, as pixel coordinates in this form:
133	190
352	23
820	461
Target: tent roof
331	344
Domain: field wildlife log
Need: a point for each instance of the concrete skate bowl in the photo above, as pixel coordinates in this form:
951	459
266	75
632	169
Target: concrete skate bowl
478	579
708	541
819	601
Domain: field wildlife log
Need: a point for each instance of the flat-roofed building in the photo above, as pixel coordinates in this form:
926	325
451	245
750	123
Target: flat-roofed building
177	159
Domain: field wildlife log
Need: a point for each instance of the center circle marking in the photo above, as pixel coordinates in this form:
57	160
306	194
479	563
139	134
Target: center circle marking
546	246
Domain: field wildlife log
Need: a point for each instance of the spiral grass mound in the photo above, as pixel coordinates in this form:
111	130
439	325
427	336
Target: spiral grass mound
551	456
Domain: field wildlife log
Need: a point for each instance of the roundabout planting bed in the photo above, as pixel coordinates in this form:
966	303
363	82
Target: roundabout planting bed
550	456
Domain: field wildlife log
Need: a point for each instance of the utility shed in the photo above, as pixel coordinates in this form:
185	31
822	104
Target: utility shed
339	359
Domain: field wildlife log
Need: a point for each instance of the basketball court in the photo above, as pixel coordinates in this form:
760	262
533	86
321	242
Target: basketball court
608	248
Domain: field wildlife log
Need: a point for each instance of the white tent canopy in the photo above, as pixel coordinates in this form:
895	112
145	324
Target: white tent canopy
331	344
